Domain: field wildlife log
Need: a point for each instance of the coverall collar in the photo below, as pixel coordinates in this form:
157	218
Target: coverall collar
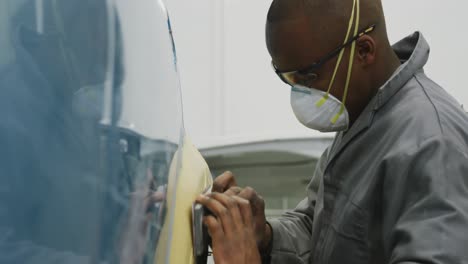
413	52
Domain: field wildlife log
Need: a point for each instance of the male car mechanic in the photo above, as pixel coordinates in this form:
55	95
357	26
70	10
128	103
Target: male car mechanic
393	187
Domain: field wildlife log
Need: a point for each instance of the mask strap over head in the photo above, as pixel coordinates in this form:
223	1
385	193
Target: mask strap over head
354	13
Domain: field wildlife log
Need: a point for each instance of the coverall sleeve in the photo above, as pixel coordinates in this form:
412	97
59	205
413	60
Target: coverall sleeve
425	204
16	207
292	232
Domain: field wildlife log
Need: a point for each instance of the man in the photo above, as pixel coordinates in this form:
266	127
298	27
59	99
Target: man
393	187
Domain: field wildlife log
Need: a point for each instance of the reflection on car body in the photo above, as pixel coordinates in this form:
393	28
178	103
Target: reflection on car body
91	120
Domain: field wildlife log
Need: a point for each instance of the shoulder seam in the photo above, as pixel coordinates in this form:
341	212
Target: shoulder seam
432	103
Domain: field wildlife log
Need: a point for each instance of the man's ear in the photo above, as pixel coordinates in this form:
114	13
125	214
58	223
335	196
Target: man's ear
365	49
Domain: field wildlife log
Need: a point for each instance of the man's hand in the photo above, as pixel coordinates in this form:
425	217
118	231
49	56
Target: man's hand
134	238
231	229
226	183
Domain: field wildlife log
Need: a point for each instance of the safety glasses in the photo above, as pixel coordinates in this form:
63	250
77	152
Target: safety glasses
307	75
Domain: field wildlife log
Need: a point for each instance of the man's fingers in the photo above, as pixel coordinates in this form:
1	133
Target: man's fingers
224	182
248	193
231	204
215	229
233	191
147	197
155	197
219	210
256	201
245	210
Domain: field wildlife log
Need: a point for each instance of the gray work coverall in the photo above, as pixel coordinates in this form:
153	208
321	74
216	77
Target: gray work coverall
393	188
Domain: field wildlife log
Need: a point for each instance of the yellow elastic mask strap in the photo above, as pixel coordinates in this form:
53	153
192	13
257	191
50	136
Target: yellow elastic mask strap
340	57
350	67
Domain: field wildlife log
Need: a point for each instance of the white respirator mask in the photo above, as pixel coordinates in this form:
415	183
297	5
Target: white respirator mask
320	110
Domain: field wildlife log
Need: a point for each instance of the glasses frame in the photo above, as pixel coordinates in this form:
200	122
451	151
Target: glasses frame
308	70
